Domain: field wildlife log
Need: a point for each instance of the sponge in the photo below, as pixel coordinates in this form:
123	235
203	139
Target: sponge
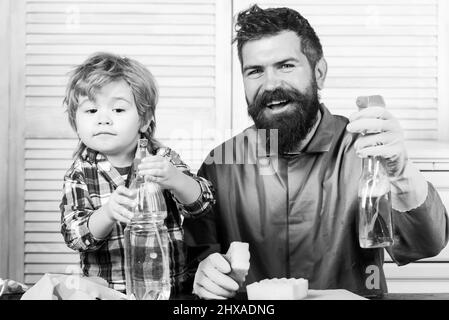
278	289
238	257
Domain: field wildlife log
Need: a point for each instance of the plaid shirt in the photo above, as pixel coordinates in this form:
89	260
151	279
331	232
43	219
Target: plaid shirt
88	185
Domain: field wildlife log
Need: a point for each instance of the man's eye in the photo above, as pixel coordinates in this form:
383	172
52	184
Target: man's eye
287	66
254	73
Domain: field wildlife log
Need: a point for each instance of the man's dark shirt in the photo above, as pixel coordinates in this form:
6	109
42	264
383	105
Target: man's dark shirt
300	220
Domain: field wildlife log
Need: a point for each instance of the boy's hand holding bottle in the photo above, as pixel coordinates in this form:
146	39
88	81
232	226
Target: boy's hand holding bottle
160	170
120	204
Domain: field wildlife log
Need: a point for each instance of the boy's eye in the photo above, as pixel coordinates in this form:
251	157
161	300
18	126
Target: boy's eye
119	110
91	110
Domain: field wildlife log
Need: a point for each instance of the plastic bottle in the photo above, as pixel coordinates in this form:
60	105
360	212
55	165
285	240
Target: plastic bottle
374	196
147	267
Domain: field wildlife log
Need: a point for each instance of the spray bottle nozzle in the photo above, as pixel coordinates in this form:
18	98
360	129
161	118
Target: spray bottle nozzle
370	101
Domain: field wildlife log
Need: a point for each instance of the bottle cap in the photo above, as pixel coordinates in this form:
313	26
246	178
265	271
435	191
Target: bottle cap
143	143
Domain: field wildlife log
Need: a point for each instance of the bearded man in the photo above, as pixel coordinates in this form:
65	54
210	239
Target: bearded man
295	202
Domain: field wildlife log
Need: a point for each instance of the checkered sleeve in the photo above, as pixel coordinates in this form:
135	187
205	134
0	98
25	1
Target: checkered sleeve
76	209
205	200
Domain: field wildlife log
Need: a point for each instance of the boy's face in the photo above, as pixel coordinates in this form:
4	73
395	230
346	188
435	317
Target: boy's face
110	124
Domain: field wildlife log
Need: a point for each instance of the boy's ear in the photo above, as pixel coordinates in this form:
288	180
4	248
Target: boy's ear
144	128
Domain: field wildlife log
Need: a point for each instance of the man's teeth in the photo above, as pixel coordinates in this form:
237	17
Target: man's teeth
276	102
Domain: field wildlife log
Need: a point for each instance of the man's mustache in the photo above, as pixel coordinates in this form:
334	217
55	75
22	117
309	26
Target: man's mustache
264	99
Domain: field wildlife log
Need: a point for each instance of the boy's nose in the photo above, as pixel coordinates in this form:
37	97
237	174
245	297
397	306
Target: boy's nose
104	121
104	118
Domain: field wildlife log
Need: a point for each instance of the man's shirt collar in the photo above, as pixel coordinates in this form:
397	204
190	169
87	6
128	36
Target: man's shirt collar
324	134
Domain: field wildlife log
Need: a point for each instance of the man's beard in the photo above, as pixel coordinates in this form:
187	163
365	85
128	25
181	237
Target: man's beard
292	125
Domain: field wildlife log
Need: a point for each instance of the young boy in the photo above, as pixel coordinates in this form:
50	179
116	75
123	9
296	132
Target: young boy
111	102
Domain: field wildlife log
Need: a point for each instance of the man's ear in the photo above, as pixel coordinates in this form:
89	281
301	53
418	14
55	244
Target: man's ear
320	73
144	127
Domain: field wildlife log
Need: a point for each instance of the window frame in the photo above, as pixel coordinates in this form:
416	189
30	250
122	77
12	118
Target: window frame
443	70
15	152
4	137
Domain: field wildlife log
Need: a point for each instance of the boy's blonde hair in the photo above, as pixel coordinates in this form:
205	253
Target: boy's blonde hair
103	68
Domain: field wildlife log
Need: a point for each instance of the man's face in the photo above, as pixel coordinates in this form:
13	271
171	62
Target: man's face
280	87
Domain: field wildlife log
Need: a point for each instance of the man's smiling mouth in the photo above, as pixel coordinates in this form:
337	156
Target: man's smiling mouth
277	103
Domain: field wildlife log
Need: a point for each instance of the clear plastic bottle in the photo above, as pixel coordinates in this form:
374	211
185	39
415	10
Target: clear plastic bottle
147	266
374	195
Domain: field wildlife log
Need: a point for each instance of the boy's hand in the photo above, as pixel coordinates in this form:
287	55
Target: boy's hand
120	204
159	169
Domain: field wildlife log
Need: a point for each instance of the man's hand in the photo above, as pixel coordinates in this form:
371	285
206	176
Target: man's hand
381	135
211	279
120	204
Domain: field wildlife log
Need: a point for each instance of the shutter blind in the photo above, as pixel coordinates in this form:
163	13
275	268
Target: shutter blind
174	39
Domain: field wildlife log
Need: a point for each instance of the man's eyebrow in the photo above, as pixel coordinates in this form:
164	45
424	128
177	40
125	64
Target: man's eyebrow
287	60
246	68
290	59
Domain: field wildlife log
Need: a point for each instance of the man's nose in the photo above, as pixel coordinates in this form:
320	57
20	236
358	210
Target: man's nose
272	80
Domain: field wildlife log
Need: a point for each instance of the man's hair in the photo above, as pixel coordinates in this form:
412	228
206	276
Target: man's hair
256	23
101	69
